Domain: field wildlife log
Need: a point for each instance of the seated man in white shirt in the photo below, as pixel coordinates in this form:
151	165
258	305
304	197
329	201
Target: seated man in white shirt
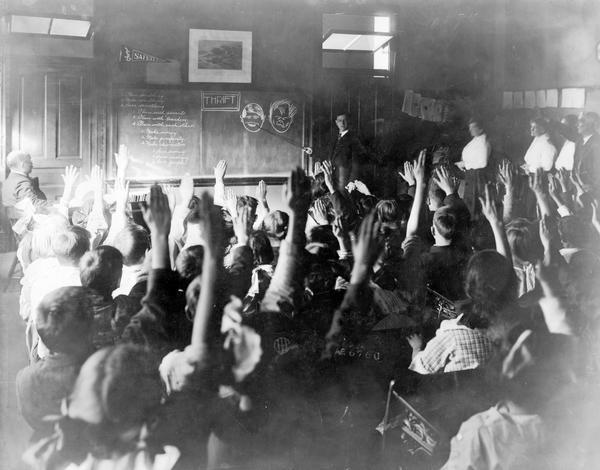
541	152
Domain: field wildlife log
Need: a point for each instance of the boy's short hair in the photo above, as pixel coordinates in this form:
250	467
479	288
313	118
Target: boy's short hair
189	262
573	231
523	240
101	269
261	248
436	195
70	244
387	211
64	320
133	242
276	224
444	221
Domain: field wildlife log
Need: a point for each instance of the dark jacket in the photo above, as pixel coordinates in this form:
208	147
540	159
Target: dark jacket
587	161
17	187
347	154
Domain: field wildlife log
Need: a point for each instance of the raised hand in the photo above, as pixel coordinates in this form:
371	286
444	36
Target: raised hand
319	212
97	181
408	174
446	183
489	207
211	224
555	189
70	176
230	201
419	168
122	161
298	191
241	340
261	191
539	182
121	195
564	179
186	189
506	174
157	213
328	172
366	248
220	170
242	225
169	190
548	232
362	188
576	180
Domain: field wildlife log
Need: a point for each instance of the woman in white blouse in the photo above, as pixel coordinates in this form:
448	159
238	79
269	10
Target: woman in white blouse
566	156
541	152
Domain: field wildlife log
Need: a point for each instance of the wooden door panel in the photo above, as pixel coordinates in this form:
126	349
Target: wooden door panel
50	119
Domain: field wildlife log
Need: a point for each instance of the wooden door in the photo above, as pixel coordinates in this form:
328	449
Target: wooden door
50	116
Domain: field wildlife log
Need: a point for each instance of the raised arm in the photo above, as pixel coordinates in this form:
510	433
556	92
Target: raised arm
282	286
357	300
69	178
263	206
220	171
412	226
508	178
490	212
539	184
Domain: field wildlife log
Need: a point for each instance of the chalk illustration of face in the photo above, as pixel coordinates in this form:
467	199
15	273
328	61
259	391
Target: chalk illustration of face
281	115
252	117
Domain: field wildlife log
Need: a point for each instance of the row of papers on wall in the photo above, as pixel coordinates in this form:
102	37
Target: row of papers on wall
569	98
428	109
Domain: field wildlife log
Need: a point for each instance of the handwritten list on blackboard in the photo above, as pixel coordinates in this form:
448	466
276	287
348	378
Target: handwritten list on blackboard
161	131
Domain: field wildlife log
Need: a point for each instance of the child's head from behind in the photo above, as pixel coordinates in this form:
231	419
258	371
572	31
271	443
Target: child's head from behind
101	269
133	242
70	244
490	281
524	241
261	248
64	320
117	390
276	224
444	223
189	263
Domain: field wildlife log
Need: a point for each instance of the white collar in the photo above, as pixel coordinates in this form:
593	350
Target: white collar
343	133
19	173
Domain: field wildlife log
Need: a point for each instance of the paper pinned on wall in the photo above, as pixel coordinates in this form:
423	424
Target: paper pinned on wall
552	98
540	98
416	105
507	99
407	103
572	98
517	99
529	99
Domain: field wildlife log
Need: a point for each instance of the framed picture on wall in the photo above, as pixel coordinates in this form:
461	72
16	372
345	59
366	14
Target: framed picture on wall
220	56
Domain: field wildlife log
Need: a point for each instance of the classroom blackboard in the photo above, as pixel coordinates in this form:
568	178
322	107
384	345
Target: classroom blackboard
170	132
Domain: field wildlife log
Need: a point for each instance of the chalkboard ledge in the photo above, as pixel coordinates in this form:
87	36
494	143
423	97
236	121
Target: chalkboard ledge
203	181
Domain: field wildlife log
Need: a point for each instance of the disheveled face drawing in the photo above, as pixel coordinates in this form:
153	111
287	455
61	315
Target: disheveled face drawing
281	115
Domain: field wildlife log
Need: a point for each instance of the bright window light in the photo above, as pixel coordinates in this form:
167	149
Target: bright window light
67	27
381	24
29	24
381	56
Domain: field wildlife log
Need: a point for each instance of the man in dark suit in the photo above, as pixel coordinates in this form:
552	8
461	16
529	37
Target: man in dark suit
18	185
347	153
587	155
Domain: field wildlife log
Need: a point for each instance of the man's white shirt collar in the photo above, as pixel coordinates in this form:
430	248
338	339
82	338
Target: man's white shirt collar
343	133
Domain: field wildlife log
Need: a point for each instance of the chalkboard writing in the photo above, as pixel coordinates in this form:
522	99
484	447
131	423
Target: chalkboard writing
171	132
161	133
218	101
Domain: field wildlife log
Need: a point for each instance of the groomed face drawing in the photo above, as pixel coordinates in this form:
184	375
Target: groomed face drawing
252	117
